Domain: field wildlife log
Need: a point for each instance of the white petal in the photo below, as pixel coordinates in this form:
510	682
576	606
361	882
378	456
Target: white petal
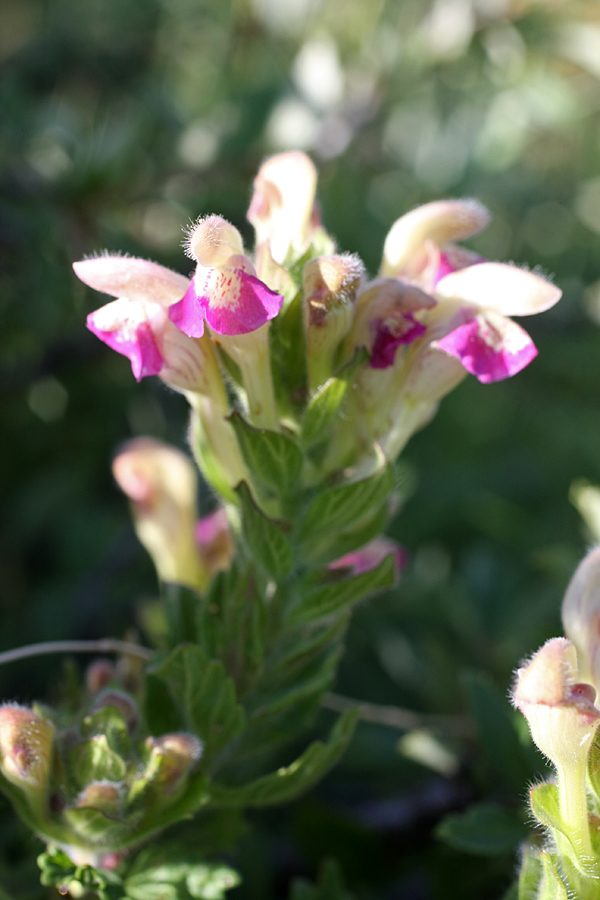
501	288
136	279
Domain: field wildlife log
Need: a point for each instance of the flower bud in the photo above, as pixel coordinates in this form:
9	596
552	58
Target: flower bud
161	483
581	616
171	758
99	674
123	703
282	206
103	795
25	747
370	555
214	541
563	721
330	286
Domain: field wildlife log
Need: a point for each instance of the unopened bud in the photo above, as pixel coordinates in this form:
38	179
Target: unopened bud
25	747
103	795
212	241
214	540
282	205
123	703
99	673
563	721
581	616
161	482
172	757
330	287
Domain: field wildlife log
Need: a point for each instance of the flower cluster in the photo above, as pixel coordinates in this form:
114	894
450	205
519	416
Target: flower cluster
402	341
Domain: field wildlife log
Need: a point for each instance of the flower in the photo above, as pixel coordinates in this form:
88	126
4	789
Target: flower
137	324
224	290
581	616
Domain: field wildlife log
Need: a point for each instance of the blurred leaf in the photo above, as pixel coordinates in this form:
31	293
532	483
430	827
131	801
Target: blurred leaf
172	874
484	829
339	596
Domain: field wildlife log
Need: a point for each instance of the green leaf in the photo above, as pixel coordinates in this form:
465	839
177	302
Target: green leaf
545	807
96	827
206	696
156	875
499	737
57	870
343	508
531	872
330	885
339	596
93	760
160	713
295	779
484	829
551	885
274	459
266	541
322	410
339	543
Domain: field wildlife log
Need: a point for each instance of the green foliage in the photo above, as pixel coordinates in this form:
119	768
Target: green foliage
485	829
330	885
274	459
266	540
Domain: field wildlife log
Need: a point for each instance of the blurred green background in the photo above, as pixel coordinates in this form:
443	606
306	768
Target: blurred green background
121	120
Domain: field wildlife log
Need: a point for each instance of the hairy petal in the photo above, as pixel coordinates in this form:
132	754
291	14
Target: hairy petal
489	346
137	279
500	287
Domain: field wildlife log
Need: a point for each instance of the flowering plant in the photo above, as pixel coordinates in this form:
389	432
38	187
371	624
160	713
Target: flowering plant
305	380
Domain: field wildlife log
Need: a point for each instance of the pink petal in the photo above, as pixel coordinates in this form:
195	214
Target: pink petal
237	302
188	313
369	556
489	346
136	279
499	287
131	335
390	334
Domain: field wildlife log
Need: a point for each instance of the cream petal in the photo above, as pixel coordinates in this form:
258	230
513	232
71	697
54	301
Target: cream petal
136	279
499	287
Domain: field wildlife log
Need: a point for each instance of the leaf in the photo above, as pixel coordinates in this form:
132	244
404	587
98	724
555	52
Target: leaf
98	828
206	696
274	459
156	875
93	760
266	541
551	885
495	721
322	410
342	508
484	829
295	779
161	714
330	885
339	596
545	806
340	543
530	873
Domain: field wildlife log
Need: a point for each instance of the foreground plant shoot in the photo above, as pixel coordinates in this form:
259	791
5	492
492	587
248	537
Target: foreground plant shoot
305	380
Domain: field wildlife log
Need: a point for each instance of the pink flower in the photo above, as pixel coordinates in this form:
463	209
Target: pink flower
137	324
479	299
224	290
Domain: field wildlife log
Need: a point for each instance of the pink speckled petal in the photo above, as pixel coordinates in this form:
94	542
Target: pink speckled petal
489	346
499	287
136	279
188	313
128	334
237	302
390	334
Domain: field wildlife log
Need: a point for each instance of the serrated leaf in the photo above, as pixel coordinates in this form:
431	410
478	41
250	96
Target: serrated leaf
206	696
160	713
274	459
266	541
322	410
500	741
339	543
343	508
339	596
96	827
290	781
484	829
181	880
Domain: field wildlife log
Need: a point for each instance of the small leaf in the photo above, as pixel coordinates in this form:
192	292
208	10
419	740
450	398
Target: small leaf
322	410
93	760
337	597
266	541
274	459
342	508
153	879
530	873
551	885
205	695
484	829
295	779
96	827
